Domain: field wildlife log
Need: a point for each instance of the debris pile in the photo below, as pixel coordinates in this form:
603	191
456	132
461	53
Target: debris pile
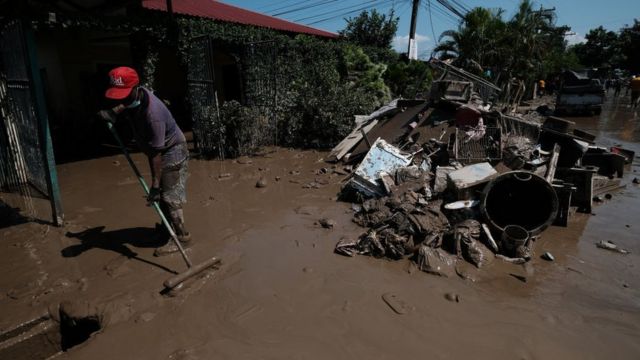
452	179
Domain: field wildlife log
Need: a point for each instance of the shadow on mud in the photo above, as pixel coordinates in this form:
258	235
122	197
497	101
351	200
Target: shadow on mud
117	241
10	216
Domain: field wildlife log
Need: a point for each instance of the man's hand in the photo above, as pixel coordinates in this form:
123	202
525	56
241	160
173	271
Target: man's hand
154	195
107	115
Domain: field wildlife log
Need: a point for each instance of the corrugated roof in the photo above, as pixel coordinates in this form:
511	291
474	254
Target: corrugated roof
220	11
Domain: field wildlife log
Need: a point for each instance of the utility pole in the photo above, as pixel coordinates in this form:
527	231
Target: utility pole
413	46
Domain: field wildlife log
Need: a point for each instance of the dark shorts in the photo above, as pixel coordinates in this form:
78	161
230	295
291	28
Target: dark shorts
173	182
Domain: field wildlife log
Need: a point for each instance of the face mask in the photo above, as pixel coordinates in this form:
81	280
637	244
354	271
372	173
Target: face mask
135	103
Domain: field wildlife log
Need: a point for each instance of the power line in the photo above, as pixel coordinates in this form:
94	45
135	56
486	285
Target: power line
384	2
402	9
461	5
269	7
433	32
304	7
445	15
350	12
451	8
331	12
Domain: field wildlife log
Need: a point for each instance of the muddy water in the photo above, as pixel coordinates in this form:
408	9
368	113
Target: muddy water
282	293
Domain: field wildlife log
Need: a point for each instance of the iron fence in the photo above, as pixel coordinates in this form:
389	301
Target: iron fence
27	162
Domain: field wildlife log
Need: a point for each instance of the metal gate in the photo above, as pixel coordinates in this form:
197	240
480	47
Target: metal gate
207	128
259	64
26	153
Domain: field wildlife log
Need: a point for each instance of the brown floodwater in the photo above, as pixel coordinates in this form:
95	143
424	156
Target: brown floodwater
282	293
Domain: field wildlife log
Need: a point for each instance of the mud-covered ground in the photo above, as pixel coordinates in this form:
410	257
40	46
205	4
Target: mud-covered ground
281	292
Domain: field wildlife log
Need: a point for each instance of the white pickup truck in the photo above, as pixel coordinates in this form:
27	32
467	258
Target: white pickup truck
579	93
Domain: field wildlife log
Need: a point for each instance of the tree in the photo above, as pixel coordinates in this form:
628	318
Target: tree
364	75
476	43
629	44
531	34
600	49
371	29
521	48
408	79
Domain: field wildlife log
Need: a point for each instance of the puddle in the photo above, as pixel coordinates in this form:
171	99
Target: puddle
45	338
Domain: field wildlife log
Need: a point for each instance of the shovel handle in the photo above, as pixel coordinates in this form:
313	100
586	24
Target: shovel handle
155	204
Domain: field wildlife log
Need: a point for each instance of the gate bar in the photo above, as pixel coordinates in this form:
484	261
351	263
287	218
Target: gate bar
43	128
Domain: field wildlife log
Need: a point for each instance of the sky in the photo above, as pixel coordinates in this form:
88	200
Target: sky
580	15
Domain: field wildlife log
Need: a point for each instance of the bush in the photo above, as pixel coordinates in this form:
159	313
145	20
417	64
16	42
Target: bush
244	128
323	85
320	85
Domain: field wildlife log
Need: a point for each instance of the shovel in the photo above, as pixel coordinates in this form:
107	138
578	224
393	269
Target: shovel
191	269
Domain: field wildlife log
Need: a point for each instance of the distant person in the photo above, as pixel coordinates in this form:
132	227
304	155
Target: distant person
634	85
541	86
159	137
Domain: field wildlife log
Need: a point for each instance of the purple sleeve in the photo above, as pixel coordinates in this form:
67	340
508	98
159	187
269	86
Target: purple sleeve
157	135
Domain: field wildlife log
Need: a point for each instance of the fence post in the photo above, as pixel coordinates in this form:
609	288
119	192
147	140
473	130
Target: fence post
43	124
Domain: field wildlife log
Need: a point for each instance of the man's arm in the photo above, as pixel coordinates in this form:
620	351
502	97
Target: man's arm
155	163
110	115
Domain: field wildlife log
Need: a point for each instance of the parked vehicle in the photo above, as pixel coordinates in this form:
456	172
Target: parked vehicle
579	93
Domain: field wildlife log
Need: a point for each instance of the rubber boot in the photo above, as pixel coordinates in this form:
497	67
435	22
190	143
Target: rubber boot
177	222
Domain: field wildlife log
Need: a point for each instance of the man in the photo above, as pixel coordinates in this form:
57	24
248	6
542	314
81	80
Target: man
159	137
541	85
617	86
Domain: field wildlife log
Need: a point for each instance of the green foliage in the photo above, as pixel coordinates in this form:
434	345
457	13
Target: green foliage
243	128
604	48
330	82
320	85
600	49
629	44
557	61
380	55
477	41
372	29
409	79
526	47
365	76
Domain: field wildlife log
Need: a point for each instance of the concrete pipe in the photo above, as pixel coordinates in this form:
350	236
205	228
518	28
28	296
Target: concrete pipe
519	198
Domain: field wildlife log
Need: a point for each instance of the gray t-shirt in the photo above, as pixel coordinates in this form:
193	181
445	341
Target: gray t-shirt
155	130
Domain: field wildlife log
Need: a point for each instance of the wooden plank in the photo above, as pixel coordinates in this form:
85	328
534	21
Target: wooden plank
553	164
390	130
349	142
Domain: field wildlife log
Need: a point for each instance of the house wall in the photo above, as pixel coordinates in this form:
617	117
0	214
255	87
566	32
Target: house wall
74	64
170	85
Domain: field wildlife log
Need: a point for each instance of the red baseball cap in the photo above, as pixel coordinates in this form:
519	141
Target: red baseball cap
122	79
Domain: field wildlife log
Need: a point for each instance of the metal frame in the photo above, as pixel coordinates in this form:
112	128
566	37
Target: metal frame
39	144
488	148
249	53
203	97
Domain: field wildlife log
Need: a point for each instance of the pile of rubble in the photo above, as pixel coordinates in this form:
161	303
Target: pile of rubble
451	178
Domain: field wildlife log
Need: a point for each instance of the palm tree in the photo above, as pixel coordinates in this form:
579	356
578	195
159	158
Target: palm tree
528	33
515	50
475	44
